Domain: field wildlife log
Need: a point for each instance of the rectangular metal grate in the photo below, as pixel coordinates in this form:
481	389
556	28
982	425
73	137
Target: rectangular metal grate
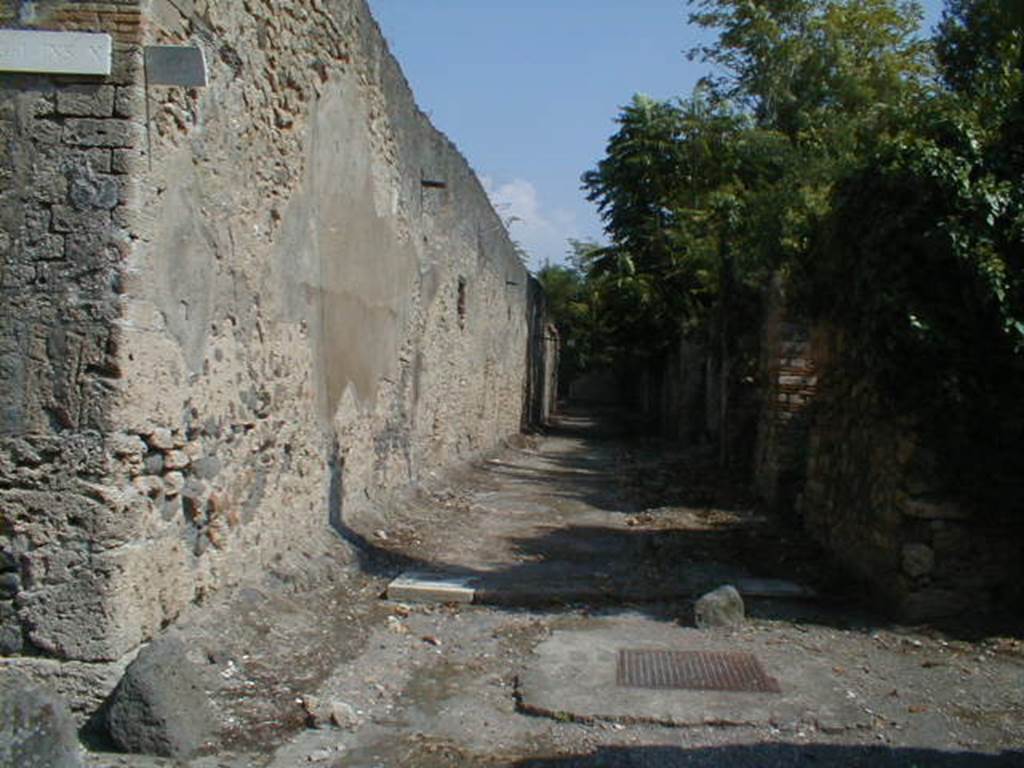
694	671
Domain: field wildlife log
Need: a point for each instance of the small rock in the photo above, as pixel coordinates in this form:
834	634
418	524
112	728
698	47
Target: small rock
722	607
12	639
396	626
918	560
194	497
343	715
174	483
314	711
10	583
154	464
160	706
432	640
149	486
126	445
207	467
36	728
382	535
161	439
176	460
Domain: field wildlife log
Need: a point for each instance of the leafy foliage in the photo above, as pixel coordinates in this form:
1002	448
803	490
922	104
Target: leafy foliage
921	259
880	172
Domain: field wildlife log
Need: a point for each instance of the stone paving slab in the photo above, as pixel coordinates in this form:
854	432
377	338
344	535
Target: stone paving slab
556	583
778	588
573	676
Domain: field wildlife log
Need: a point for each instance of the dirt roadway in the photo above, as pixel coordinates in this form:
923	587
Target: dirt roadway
597	537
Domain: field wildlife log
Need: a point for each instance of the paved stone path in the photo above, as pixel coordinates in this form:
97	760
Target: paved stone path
563	521
578	544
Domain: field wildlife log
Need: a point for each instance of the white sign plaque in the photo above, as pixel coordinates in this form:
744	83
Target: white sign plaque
56	53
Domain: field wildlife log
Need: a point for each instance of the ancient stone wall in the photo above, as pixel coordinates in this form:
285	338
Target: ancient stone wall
231	315
876	498
789	384
542	364
867	487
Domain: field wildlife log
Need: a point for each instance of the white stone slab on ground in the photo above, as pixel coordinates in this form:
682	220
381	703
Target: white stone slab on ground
418	587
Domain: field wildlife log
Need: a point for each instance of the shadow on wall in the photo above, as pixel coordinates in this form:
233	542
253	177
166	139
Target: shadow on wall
769	755
601	387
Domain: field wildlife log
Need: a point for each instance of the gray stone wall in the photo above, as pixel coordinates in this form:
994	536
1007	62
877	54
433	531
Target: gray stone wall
876	498
867	486
789	383
65	198
232	316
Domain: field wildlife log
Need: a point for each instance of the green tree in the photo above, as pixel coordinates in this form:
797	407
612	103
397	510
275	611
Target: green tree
920	260
814	69
674	190
980	48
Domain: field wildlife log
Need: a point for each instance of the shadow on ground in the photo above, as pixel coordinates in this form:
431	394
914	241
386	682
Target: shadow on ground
772	755
616	470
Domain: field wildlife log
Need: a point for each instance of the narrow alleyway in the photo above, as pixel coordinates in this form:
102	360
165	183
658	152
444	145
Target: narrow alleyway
578	544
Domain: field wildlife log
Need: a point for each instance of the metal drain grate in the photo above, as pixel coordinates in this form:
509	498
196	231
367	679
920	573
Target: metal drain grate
694	671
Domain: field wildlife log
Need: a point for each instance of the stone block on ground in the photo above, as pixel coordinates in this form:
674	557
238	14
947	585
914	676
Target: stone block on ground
574	675
918	560
36	727
774	588
432	588
160	706
722	607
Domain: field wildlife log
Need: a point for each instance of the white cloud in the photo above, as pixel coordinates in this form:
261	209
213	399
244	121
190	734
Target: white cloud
544	234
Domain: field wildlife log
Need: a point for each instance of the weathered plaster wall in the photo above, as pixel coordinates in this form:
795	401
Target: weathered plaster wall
226	333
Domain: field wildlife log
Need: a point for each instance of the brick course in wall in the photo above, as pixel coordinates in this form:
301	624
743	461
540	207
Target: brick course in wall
789	384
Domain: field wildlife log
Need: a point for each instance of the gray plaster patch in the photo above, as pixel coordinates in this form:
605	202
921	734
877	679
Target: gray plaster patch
574	675
181	65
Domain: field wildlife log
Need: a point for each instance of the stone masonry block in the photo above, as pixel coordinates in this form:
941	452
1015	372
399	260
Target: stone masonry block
67	219
46	132
36	224
124	161
88	190
48	248
130	101
86	100
126	68
90	132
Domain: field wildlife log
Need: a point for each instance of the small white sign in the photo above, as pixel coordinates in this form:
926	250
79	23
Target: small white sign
55	53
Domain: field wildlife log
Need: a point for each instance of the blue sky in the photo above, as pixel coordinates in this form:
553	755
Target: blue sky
529	90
